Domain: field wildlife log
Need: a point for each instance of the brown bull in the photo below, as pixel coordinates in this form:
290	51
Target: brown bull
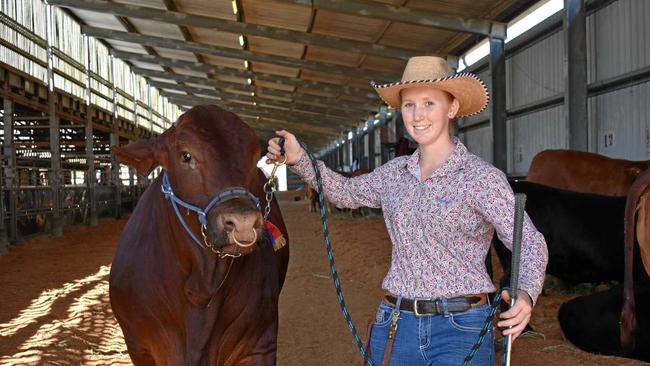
210	301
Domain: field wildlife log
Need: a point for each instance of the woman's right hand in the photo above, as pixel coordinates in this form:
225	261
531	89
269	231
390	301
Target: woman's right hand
292	149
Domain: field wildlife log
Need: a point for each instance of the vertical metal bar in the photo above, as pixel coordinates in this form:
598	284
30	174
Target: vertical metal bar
150	109
371	145
361	148
575	29
133	194
341	157
4	239
55	150
90	154
498	104
115	141
399	125
7	232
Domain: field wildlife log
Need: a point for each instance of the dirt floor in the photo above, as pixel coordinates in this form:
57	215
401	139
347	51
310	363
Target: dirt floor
54	305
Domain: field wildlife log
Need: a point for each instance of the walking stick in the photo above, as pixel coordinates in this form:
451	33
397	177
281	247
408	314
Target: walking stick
520	203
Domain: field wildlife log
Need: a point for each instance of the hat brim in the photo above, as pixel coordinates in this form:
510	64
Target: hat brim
470	91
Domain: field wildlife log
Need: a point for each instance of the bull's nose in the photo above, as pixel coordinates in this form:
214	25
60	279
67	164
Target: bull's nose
243	226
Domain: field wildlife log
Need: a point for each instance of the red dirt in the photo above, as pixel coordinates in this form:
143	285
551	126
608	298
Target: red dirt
55	308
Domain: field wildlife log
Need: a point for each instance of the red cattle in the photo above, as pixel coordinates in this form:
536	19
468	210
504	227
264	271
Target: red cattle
196	280
584	172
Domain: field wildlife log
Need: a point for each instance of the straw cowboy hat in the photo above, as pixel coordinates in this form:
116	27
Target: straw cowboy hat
435	72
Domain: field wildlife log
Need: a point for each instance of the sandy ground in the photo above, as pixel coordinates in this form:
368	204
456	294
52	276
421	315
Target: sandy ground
54	306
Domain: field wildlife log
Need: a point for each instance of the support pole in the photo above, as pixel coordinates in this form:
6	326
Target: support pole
91	180
115	178
371	145
576	74
114	138
498	104
55	149
9	177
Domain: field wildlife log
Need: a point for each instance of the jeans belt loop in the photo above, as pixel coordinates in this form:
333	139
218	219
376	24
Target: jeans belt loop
445	306
398	303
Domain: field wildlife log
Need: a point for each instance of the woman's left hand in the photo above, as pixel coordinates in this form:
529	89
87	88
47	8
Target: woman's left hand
517	316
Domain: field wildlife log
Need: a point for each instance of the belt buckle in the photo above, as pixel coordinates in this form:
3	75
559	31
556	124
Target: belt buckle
415	305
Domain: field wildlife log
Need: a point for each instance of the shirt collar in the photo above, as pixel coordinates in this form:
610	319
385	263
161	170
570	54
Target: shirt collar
455	161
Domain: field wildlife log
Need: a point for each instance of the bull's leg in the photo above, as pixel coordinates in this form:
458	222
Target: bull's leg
142	358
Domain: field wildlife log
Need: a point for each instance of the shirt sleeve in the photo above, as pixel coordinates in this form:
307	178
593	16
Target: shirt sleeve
364	190
495	201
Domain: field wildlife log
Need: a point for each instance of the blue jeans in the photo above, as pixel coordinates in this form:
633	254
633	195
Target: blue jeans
432	340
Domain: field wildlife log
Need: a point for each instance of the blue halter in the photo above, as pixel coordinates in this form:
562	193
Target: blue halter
227	194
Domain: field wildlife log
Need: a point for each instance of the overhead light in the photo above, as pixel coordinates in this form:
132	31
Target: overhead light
246	64
241	40
252	94
350	135
250	81
254	103
234	7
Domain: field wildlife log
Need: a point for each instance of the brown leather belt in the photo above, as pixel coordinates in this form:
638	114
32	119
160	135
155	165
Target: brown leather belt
435	306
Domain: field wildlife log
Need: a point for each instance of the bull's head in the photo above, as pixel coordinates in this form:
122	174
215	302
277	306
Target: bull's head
208	150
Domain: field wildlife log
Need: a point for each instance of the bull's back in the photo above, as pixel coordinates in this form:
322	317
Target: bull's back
585	172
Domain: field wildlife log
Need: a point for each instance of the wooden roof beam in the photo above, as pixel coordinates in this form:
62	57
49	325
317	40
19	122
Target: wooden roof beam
141	39
182	19
226	71
359	108
405	15
194	100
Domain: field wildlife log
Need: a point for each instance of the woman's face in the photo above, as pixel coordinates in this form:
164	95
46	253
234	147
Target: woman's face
426	112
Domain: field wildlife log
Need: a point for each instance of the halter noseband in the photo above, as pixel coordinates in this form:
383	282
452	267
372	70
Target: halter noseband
227	194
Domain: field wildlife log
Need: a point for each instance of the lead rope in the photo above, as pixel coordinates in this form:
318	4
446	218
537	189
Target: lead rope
330	258
337	282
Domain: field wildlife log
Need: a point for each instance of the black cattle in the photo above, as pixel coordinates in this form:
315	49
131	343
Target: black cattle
583	232
592	322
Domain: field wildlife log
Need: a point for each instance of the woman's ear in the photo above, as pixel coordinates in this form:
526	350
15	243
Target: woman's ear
453	109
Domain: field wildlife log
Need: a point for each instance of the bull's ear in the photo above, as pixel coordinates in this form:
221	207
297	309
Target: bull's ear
143	155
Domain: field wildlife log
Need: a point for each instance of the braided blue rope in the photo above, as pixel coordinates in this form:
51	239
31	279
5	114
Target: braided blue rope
484	331
330	258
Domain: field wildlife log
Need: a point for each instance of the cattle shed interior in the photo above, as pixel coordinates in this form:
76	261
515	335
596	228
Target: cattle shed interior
79	76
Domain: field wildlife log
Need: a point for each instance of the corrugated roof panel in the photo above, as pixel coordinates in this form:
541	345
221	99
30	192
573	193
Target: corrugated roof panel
333	56
277	14
274	69
322	77
348	26
213	37
219	9
275	47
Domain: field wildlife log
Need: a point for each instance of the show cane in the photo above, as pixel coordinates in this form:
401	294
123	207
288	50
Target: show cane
520	204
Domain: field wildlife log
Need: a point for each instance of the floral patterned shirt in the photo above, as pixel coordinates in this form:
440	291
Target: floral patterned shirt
441	228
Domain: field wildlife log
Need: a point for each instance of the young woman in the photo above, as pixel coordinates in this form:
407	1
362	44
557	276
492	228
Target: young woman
441	206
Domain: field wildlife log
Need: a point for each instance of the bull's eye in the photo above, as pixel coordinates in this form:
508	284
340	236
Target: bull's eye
187	157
